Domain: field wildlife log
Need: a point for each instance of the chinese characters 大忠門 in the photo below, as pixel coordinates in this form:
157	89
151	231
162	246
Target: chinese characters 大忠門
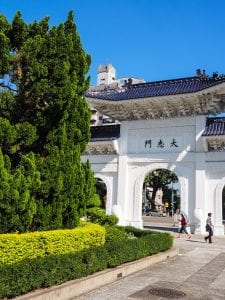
161	144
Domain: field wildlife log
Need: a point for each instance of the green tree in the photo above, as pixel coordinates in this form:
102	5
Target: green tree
45	119
157	179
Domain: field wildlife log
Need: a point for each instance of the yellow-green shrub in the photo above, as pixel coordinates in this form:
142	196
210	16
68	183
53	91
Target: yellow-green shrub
16	247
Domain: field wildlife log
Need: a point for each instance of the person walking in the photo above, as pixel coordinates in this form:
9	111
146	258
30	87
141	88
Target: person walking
183	226
209	228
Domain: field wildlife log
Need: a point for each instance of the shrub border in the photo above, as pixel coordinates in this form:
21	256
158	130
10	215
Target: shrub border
77	287
52	270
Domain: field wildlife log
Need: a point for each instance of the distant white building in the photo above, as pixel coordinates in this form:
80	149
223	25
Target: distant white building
107	83
107	80
106	75
125	80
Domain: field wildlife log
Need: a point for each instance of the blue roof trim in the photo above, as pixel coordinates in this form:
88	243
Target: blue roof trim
214	127
158	88
105	133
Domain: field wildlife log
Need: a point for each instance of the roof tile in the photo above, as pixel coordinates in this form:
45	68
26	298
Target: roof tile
158	88
214	127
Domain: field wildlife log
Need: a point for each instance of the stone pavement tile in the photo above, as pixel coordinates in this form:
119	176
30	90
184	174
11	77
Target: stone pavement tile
171	290
156	290
199	272
202	292
209	272
219	282
121	289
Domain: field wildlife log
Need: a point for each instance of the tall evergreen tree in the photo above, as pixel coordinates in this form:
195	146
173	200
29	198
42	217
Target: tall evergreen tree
45	119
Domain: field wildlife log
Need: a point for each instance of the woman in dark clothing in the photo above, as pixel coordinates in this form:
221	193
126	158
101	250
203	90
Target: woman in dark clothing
209	228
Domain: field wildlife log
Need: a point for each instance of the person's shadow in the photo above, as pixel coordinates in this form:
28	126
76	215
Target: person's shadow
173	229
196	241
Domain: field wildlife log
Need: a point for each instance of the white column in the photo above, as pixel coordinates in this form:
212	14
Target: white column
200	176
200	195
120	208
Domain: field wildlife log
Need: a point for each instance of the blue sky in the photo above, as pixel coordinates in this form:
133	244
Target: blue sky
150	39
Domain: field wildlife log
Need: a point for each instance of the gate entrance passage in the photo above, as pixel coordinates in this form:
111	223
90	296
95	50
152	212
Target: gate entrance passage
162	125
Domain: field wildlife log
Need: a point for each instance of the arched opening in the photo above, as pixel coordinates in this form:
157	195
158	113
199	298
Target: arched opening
161	193
223	205
101	190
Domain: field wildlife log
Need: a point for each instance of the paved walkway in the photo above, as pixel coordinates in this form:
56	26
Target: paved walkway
197	273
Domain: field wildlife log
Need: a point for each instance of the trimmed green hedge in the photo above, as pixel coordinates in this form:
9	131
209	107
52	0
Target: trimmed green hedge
147	243
114	233
41	272
16	247
99	216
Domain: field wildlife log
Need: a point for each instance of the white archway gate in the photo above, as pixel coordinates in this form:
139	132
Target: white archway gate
138	189
163	123
146	145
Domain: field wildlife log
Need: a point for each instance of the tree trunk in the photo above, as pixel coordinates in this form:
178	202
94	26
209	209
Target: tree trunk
153	198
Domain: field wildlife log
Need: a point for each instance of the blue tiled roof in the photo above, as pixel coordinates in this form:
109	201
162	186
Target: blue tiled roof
158	88
105	132
214	127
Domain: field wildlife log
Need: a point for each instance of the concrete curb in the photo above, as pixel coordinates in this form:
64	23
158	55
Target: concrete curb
77	287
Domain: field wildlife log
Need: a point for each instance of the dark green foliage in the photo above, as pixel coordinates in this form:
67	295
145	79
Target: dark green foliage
4	46
94	201
99	216
44	118
114	233
137	232
50	270
133	249
87	186
18	33
43	272
17	193
160	177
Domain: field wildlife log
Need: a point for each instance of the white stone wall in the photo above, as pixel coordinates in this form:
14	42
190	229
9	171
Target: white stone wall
176	135
215	182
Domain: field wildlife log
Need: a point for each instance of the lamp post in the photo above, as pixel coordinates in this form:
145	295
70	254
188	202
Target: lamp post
145	198
172	203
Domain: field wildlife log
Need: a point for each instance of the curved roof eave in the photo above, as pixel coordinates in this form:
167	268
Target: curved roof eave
210	100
